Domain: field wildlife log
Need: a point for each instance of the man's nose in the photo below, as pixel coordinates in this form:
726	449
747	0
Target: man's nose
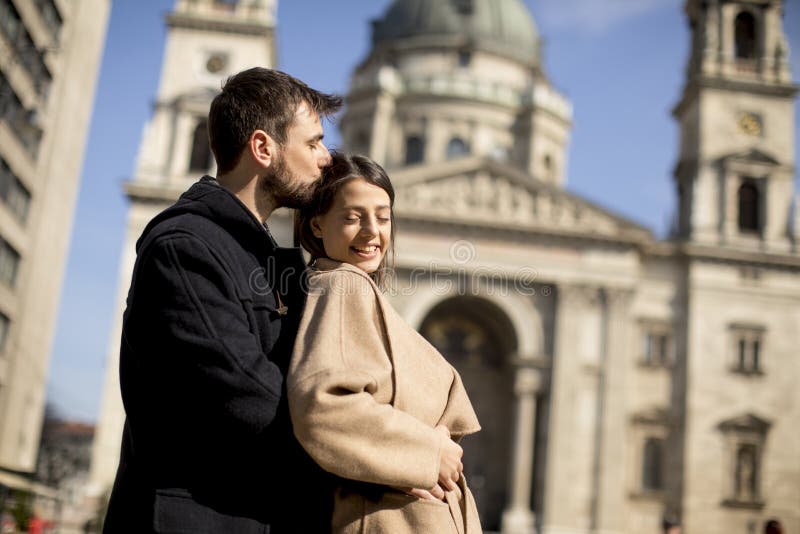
326	159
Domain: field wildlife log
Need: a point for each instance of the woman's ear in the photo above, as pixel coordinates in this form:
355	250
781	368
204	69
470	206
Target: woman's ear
316	229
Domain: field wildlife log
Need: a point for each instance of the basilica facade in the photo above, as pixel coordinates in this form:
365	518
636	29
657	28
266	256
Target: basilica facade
619	379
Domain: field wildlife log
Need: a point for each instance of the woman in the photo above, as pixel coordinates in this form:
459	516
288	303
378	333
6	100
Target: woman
371	401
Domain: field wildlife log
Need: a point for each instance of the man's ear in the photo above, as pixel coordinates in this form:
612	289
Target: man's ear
263	148
316	229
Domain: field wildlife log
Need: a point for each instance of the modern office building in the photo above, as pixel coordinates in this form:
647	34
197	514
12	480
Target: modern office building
50	53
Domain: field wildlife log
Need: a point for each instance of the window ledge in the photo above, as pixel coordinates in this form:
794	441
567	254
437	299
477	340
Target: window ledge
653	366
745	505
747	372
648	495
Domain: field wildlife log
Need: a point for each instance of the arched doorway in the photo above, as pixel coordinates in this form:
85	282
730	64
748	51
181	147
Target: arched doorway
478	339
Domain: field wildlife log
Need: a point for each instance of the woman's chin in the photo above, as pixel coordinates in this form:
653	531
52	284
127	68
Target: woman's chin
368	266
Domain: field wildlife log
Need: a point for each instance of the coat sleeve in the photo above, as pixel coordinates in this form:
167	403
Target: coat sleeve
194	354
339	363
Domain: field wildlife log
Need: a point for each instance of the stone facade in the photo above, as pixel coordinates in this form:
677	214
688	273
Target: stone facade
620	379
50	53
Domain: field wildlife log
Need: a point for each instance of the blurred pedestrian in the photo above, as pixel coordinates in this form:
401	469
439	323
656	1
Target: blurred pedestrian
773	526
671	525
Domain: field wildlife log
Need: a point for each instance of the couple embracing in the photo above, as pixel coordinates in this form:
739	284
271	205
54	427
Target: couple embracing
302	403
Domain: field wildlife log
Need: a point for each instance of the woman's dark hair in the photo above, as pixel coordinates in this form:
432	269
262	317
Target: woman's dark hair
343	169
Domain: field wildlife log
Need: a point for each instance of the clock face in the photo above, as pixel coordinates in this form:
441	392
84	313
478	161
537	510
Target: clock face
750	124
215	63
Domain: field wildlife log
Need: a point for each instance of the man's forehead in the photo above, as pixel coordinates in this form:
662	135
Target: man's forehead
305	112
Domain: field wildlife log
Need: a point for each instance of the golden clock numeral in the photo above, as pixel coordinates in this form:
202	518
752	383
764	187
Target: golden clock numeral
750	124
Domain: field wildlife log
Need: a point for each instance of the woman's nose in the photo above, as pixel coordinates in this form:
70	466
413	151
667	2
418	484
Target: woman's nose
369	226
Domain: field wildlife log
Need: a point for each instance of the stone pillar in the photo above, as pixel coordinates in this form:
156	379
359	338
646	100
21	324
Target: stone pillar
518	518
613	446
572	419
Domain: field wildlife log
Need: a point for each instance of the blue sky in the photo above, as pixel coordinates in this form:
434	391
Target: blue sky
621	62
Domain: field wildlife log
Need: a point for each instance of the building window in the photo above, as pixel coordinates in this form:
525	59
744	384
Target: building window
9	264
13	193
653	465
29	55
749	206
457	148
746	473
415	150
227	5
10	22
22	122
656	344
34	62
745	36
744	440
650	430
51	17
361	142
748	348
200	160
5	324
464	59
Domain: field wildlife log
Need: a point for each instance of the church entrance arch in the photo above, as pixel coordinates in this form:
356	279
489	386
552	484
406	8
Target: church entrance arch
478	339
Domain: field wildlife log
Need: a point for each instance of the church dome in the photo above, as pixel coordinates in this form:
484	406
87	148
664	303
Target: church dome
505	27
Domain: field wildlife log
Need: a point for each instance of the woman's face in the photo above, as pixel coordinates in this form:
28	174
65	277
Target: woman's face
358	227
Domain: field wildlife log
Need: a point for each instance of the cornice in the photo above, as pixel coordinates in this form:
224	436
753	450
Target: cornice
781	90
152	193
177	20
516	232
696	251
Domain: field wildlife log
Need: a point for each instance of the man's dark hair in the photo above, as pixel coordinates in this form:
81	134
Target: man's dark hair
773	526
259	99
669	521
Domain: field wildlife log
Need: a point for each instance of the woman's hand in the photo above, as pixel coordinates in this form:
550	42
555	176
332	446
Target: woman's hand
436	493
450	466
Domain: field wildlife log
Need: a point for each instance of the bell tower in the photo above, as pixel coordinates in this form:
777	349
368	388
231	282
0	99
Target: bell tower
735	171
207	41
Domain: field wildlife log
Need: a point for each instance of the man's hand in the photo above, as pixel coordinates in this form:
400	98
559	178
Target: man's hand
450	466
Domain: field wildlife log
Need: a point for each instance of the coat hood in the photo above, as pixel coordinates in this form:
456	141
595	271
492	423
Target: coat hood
208	199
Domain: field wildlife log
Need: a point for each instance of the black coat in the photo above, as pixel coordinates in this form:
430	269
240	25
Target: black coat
207	445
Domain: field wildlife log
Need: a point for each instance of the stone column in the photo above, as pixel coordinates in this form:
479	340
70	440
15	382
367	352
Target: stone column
613	447
518	518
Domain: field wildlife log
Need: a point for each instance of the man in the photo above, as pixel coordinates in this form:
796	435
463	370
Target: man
671	525
773	526
211	317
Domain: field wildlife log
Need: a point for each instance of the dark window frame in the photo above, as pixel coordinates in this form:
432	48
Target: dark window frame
749	205
415	149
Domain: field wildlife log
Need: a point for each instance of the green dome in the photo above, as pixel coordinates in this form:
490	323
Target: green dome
502	26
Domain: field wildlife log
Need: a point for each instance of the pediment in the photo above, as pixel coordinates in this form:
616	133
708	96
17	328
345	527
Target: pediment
655	415
745	423
752	156
202	93
195	99
485	192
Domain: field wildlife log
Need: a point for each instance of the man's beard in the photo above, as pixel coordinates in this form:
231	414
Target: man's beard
283	187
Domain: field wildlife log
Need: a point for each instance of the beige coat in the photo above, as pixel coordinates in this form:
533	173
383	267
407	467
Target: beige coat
365	393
